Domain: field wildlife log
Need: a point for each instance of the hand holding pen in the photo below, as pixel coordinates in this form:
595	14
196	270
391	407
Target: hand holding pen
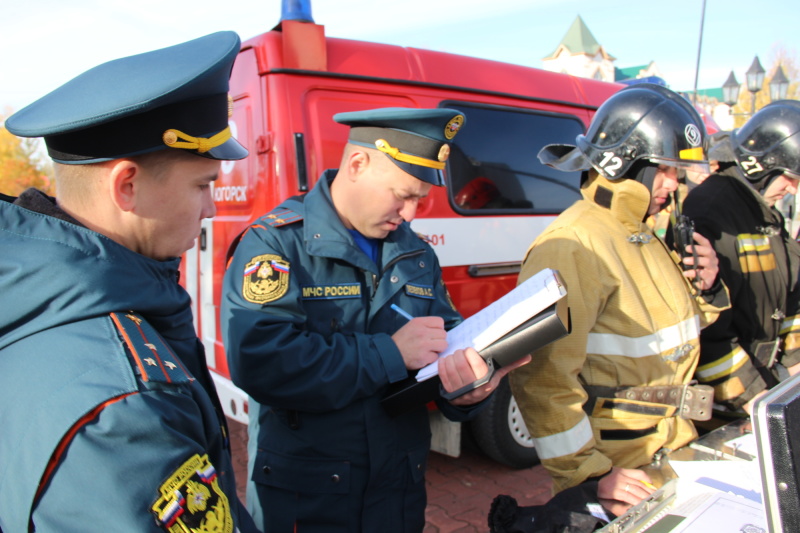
463	367
420	340
623	488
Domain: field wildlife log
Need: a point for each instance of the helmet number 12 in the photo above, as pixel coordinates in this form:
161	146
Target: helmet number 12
610	163
751	165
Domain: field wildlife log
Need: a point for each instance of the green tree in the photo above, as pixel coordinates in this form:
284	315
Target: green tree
21	164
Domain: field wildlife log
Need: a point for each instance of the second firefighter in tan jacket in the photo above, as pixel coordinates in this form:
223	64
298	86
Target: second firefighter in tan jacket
614	392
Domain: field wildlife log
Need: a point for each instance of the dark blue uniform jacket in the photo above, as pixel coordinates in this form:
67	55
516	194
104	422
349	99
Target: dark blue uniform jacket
109	419
307	324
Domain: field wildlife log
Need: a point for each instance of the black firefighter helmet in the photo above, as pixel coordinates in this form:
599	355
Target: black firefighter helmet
640	122
769	143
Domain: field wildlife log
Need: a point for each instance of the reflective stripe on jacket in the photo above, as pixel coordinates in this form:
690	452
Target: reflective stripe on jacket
635	322
759	263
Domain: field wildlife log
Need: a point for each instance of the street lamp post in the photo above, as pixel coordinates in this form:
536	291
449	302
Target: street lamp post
730	90
755	79
778	86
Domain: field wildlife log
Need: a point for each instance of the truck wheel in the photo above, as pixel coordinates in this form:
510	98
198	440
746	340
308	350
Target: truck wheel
500	431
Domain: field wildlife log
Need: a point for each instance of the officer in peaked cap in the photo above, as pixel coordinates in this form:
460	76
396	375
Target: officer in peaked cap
312	333
176	97
416	140
119	428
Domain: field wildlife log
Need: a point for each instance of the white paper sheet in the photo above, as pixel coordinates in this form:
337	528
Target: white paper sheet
723	512
741	478
498	318
745	443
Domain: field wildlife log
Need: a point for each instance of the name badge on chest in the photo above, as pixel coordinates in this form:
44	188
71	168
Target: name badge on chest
419	291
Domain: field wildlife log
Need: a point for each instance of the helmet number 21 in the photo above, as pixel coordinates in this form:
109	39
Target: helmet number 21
610	163
751	165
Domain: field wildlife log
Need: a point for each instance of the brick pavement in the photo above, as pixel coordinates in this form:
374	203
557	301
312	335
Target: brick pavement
460	491
239	455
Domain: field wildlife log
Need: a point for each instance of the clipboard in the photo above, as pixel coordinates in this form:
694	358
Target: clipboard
646	513
686	507
544	327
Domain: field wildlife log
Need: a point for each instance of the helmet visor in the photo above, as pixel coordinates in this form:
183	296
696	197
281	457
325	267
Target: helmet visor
691	159
791	174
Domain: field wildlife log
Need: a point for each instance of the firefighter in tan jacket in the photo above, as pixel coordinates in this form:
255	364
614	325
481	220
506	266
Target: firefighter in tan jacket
603	401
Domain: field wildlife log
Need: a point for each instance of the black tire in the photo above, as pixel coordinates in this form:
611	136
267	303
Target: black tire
500	432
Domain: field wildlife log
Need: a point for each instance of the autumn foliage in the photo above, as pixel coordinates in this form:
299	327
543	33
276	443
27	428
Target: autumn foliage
21	166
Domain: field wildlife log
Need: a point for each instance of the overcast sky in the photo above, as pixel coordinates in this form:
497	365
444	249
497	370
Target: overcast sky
47	42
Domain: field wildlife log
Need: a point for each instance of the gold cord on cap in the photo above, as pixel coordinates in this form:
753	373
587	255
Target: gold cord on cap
200	144
395	153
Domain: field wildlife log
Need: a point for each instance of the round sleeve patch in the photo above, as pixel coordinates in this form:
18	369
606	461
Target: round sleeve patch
191	500
266	278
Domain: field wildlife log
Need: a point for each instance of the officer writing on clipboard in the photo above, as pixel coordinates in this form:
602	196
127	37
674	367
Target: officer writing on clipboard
312	337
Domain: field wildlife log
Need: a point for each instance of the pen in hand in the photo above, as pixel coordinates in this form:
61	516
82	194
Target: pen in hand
401	312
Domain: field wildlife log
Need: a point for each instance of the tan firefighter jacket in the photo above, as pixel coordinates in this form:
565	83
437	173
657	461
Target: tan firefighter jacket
635	322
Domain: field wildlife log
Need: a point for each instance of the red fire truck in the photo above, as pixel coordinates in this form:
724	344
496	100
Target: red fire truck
286	86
